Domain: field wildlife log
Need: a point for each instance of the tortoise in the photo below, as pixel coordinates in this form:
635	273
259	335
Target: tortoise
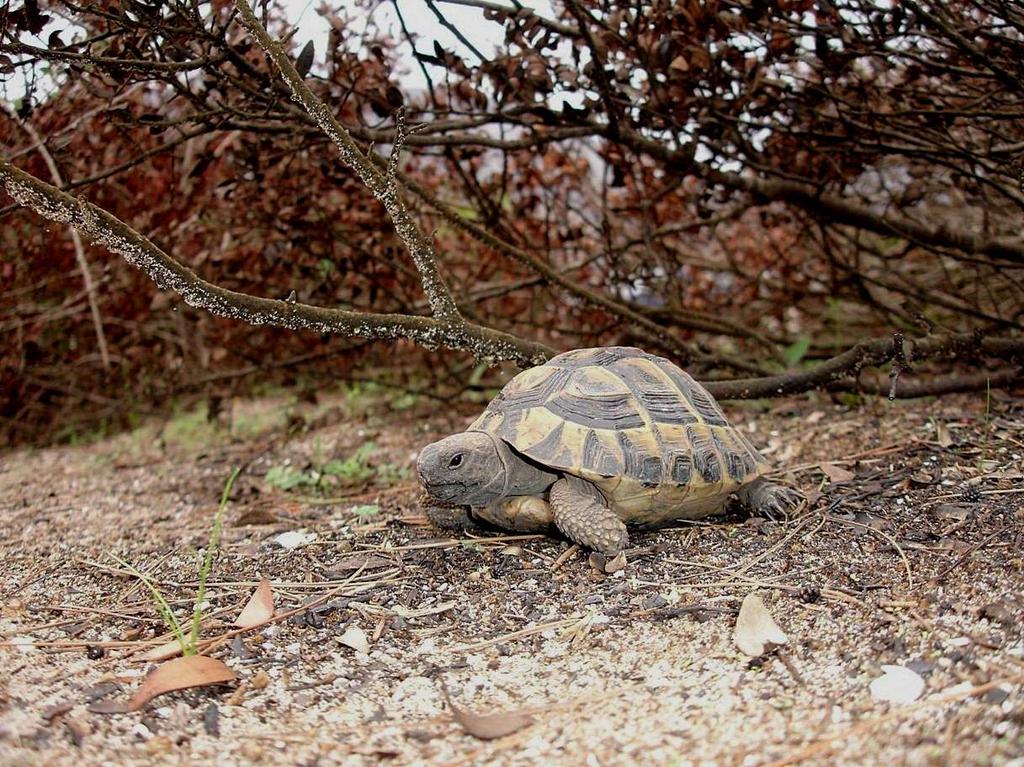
595	440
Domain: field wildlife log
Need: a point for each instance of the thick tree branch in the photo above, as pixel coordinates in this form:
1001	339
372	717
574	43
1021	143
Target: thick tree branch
838	210
106	229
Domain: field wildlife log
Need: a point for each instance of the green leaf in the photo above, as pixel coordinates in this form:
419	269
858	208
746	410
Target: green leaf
368	510
404	401
334	468
795	352
354	468
285	478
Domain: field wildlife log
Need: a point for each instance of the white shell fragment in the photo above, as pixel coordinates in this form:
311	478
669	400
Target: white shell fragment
756	631
898	684
293	539
355	638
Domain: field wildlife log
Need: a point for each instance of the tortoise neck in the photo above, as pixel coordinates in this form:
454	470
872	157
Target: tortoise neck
522	477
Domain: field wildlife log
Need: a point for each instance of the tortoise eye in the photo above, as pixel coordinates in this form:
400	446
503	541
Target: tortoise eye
455	462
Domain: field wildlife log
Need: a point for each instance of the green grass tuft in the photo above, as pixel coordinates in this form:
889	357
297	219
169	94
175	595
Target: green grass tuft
190	644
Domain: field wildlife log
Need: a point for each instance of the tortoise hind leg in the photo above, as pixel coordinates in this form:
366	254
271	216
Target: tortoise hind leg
767	499
583	516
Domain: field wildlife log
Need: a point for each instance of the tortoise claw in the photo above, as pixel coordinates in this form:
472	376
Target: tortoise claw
775	502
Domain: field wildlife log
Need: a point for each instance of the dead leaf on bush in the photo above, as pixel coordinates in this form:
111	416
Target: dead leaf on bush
260	608
835	473
487	726
756	631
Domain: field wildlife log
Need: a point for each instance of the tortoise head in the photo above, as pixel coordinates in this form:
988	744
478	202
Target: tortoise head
467	468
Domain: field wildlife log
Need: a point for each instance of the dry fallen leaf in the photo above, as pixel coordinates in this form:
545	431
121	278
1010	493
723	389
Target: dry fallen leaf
603	564
355	638
487	726
109	706
260	608
362	562
254	517
835	473
942	435
180	674
898	684
756	631
616	563
952	511
57	710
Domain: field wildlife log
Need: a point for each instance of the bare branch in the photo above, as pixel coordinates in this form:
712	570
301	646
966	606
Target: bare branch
519	11
872	354
420	247
683	352
142	65
832	207
83	264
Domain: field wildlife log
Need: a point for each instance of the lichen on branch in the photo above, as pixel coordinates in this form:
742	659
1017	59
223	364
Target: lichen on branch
383	186
115	235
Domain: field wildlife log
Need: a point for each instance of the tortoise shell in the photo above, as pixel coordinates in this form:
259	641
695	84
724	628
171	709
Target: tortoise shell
652	439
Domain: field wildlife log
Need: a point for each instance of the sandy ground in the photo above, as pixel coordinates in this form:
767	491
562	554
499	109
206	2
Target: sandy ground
915	561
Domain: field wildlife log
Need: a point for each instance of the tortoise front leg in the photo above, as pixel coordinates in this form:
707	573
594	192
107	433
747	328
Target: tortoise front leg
522	513
583	516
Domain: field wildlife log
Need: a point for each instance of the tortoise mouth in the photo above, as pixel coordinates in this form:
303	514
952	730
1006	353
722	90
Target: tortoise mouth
445	491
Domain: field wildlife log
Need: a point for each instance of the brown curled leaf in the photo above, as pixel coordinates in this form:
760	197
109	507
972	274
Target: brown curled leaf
487	726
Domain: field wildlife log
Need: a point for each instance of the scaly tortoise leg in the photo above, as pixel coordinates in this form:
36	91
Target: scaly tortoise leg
583	516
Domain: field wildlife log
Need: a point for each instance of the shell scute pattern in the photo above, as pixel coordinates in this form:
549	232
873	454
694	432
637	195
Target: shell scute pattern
693	393
682	469
638	426
641	463
655	391
705	457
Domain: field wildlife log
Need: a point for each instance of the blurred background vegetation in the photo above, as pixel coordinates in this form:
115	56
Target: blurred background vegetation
749	187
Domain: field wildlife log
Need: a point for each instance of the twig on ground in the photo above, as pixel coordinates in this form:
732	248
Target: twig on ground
565	556
967	554
552	625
